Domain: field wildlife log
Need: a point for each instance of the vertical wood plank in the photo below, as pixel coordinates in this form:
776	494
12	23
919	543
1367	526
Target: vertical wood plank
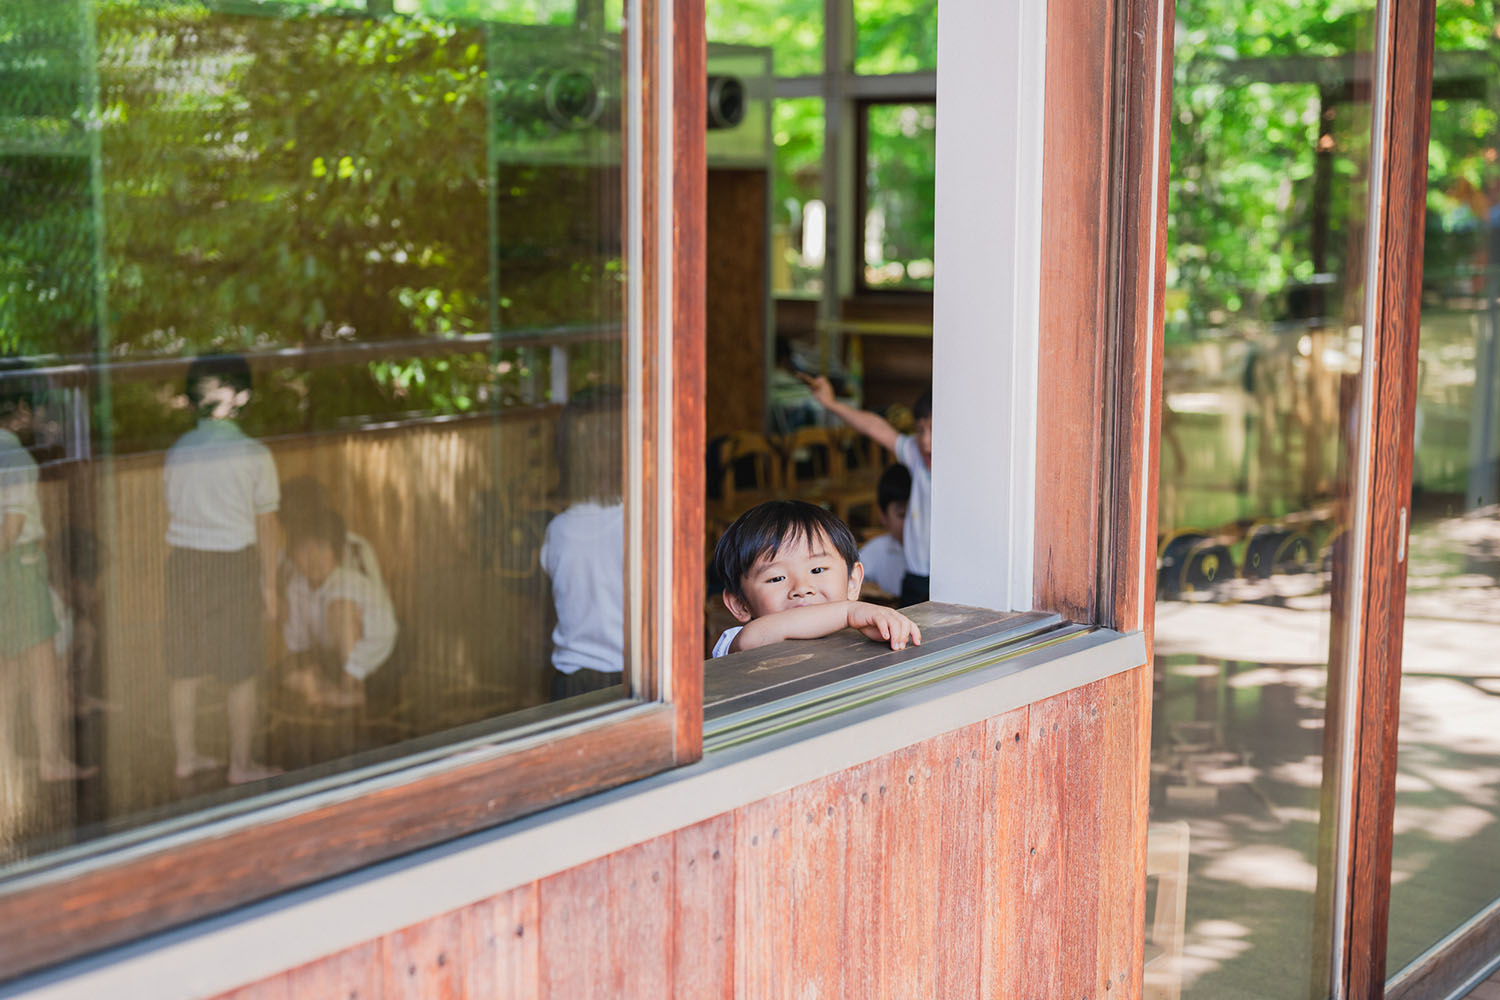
353	974
762	911
1083	836
819	840
573	908
1121	898
1044	899
911	876
502	944
866	927
1006	917
962	797
703	921
425	961
639	921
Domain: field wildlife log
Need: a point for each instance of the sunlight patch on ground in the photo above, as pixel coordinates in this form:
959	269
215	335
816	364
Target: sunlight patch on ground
1265	866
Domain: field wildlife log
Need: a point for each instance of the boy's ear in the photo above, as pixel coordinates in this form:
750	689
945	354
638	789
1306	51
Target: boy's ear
737	607
856	580
241	399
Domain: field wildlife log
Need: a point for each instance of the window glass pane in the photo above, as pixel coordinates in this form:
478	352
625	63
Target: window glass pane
798	216
895	36
1264	319
312	400
793	28
900	162
1448	779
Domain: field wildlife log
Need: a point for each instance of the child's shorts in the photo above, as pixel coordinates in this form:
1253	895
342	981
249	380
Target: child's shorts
26	617
214	622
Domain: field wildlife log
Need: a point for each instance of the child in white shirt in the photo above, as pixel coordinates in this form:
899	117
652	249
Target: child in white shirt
883	556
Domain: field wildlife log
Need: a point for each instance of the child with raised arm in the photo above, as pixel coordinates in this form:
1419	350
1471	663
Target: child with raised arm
791	571
222	494
913	451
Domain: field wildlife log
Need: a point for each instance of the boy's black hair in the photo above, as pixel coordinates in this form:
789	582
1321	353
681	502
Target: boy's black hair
230	369
18	384
321	525
894	486
922	408
763	529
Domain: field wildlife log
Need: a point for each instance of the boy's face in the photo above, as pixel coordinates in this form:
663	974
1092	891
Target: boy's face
218	400
924	439
804	571
314	560
893	517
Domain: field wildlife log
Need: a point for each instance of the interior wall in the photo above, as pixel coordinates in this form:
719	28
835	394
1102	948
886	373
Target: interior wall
737	300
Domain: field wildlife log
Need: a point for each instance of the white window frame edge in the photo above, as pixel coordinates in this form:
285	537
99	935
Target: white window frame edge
987	301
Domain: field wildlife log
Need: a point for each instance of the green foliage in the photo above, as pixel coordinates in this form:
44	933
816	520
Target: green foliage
895	36
295	178
793	29
900	181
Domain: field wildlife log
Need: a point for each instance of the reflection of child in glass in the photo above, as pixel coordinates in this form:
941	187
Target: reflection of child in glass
883	556
791	571
222	493
337	610
583	554
27	622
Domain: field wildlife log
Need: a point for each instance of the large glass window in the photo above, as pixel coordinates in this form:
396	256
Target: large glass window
895	36
900	155
314	387
1263	358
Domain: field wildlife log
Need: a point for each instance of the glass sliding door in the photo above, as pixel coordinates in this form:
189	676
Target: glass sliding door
1265	322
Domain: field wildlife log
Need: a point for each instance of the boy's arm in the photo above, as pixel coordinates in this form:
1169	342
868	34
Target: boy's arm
871	425
818	620
268	541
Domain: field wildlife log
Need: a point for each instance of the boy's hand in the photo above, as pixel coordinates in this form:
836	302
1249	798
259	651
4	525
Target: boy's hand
822	390
884	624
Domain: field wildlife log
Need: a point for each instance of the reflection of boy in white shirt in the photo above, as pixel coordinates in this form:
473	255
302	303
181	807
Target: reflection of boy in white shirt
883	557
338	611
583	553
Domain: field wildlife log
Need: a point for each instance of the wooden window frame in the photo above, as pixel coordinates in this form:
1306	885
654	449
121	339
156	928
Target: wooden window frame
73	908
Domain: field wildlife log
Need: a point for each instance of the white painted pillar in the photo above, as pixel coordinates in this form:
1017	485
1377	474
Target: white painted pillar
990	76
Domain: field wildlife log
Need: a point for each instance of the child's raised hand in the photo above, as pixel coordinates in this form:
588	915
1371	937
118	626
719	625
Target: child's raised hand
822	389
884	625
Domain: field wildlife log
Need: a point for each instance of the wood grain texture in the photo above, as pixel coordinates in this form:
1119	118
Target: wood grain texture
1046	951
962	800
502	938
910	861
818	843
689	228
639	920
1124	748
425	961
573	913
1082	835
1075	269
867	924
703	910
762	910
353	974
1402	203
1007	919
735	294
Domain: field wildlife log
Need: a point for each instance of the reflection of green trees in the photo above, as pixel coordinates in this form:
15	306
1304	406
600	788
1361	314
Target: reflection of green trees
302	179
900	179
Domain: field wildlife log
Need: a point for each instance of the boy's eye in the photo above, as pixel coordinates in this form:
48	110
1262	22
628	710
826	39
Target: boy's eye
820	569
775	579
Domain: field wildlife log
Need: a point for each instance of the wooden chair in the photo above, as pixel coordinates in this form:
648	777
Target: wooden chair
1167	862
747	457
811	456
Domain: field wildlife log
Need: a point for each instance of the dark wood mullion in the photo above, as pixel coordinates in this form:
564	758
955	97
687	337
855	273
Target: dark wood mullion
1401	202
689	208
1075	274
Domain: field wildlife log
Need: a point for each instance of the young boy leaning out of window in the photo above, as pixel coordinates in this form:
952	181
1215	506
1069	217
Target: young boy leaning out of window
792	571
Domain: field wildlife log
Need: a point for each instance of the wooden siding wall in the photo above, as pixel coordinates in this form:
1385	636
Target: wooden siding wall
998	860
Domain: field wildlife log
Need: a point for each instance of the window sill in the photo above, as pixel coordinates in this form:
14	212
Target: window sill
976	667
